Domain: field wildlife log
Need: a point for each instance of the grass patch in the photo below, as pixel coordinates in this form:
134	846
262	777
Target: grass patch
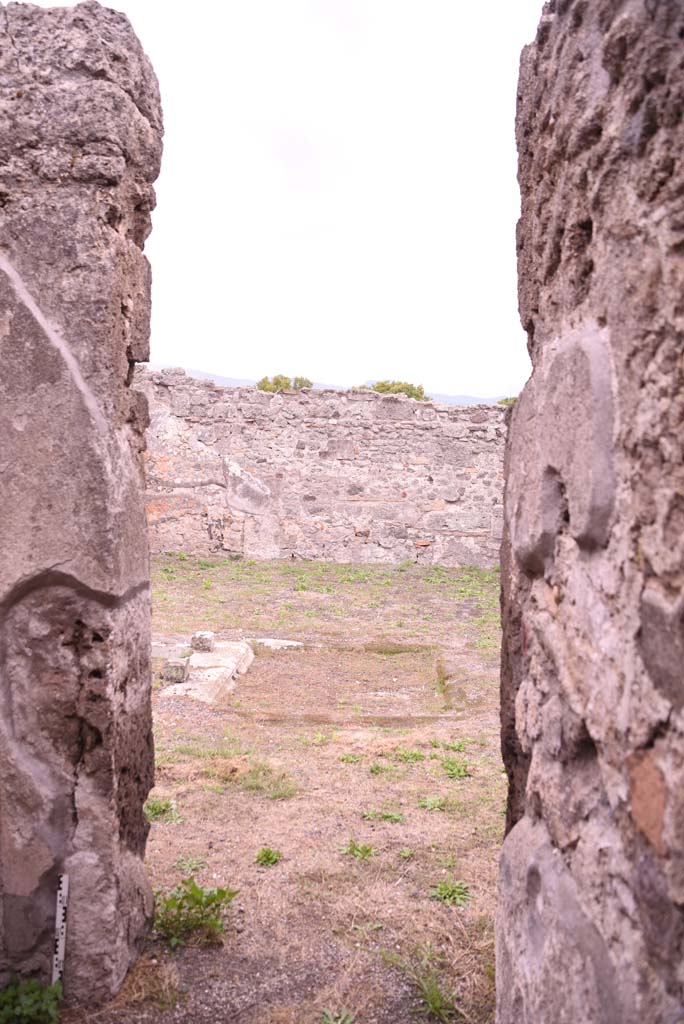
436	1000
338	1017
394	816
408	756
158	809
361	851
434	802
388	648
268	858
261	778
190	865
451	893
197	749
456	768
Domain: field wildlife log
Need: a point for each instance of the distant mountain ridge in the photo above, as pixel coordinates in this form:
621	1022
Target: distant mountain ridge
239	382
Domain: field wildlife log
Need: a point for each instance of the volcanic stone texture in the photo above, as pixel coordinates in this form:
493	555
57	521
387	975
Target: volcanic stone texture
591	919
80	145
343	476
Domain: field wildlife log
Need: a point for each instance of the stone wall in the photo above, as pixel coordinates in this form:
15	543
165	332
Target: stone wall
80	144
591	920
344	476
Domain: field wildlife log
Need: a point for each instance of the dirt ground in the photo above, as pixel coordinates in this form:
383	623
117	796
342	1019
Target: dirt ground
381	729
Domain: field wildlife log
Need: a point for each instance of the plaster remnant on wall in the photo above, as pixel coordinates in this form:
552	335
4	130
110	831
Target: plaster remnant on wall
341	476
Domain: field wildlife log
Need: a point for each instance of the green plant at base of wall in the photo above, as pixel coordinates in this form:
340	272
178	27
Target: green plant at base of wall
191	914
29	1002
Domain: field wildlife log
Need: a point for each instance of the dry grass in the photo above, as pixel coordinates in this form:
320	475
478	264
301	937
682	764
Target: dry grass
149	982
399	671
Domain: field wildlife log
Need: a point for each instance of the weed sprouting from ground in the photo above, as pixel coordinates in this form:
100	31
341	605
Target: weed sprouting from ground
268	858
452	893
261	778
455	768
190	865
192	915
350	758
338	1017
420	969
158	809
433	803
409	756
361	851
394	816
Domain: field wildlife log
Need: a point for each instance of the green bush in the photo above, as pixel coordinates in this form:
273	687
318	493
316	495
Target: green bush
192	914
507	401
29	1002
400	387
282	383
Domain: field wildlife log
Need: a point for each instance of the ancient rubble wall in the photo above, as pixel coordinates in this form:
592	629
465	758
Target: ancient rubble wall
343	476
591	915
80	145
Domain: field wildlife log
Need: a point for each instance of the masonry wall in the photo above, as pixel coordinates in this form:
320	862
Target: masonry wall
346	476
591	913
80	145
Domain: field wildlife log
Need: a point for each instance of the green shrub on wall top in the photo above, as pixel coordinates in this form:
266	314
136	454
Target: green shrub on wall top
282	383
400	387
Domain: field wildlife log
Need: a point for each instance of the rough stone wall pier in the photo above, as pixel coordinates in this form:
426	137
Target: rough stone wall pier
80	145
591	914
344	476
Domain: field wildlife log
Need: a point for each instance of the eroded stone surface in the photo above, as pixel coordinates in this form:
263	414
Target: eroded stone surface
211	674
80	144
202	640
341	476
175	670
590	922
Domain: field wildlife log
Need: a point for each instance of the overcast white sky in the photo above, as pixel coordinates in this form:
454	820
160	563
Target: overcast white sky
338	194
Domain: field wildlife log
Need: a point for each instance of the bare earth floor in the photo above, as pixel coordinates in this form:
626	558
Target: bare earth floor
382	729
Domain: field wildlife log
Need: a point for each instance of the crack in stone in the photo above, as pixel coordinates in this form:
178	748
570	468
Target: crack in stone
24	296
